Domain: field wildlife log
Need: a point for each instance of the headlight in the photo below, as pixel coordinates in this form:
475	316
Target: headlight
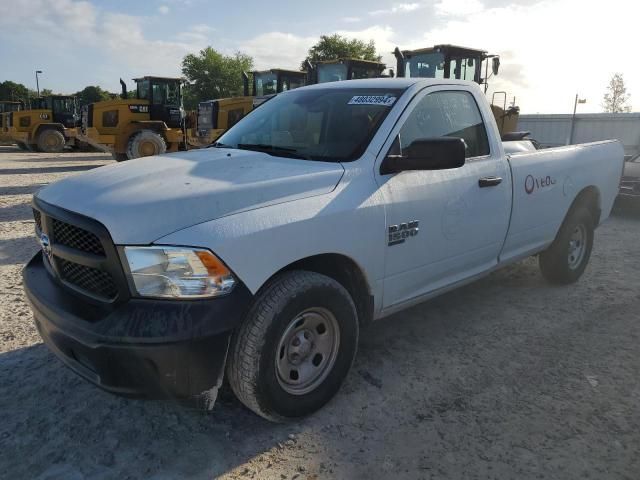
177	272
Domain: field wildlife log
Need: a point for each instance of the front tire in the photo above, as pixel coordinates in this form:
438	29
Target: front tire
566	259
51	141
146	143
295	347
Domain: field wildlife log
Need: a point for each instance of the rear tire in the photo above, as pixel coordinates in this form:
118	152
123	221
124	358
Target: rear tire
567	257
146	143
51	141
295	347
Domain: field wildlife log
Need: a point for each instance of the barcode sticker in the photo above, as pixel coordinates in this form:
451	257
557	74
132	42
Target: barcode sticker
384	100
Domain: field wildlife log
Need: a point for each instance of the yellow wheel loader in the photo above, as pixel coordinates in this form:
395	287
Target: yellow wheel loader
461	63
5	108
152	123
214	117
48	126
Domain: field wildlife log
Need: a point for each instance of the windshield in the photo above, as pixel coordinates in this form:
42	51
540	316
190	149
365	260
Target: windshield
364	72
289	82
64	105
332	72
143	90
266	84
425	65
329	124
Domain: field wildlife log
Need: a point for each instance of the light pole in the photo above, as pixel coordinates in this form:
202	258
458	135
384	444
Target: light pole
37	83
573	117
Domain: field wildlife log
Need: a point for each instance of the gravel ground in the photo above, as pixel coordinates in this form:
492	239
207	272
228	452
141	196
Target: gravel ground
505	378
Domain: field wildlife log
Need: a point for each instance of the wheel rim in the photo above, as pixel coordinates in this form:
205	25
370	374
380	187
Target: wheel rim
51	141
147	149
577	246
307	351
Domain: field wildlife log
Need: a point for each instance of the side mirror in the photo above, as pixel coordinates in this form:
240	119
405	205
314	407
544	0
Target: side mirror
426	154
495	65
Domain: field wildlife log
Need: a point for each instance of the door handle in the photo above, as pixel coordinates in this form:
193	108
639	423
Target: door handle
489	182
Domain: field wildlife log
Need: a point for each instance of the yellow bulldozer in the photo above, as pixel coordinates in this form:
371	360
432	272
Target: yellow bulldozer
48	126
461	63
5	108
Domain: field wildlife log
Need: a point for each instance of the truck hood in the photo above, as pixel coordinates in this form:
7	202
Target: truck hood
142	200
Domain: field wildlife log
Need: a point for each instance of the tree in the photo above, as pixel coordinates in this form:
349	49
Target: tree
616	98
14	91
91	94
332	47
214	75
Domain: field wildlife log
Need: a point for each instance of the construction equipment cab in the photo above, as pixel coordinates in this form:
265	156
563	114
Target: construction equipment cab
152	123
48	126
343	69
216	116
459	63
5	108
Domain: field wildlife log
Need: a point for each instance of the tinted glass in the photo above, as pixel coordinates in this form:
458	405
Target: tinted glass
329	125
143	90
425	65
266	84
447	114
331	72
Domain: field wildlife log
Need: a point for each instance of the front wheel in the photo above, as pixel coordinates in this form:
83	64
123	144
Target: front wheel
295	347
567	257
146	143
51	141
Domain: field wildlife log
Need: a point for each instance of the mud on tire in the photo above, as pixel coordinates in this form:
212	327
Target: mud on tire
295	306
567	257
51	141
144	144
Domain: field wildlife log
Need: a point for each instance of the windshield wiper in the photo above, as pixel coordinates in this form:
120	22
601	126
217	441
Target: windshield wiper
218	145
273	149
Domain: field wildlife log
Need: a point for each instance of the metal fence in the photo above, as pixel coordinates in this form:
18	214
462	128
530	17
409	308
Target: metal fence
553	130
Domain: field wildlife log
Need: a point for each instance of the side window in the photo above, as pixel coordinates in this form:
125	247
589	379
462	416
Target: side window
447	114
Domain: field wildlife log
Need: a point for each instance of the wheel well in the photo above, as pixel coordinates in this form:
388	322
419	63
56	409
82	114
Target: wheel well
589	197
42	128
347	273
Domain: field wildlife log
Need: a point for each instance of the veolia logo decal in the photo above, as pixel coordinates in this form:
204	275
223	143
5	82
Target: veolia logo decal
531	183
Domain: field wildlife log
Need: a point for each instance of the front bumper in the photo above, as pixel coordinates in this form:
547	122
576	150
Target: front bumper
151	348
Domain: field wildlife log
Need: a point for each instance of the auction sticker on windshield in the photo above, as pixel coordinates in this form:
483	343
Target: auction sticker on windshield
384	100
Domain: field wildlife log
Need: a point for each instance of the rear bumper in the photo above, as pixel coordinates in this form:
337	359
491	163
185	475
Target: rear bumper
149	348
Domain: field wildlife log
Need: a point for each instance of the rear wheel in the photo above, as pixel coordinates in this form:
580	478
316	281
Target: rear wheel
145	144
51	141
567	257
296	346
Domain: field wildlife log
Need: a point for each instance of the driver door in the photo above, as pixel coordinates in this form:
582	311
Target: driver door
461	224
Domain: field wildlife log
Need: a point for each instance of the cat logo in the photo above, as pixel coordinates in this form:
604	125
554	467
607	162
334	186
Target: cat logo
399	233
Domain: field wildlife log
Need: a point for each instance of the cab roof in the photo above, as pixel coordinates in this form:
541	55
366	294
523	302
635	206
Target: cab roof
445	46
397	83
281	70
166	79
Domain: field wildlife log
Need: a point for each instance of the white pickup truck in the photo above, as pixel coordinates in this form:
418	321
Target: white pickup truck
328	207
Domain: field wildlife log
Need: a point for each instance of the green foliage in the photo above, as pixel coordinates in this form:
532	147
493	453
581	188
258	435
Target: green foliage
91	94
14	91
333	47
212	75
616	98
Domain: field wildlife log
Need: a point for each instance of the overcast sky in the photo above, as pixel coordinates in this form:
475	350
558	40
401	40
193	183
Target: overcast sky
550	49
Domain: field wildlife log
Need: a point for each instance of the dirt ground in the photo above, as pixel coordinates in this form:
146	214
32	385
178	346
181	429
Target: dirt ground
508	378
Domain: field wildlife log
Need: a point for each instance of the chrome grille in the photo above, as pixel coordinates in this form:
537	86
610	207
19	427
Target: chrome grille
86	278
37	216
74	237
